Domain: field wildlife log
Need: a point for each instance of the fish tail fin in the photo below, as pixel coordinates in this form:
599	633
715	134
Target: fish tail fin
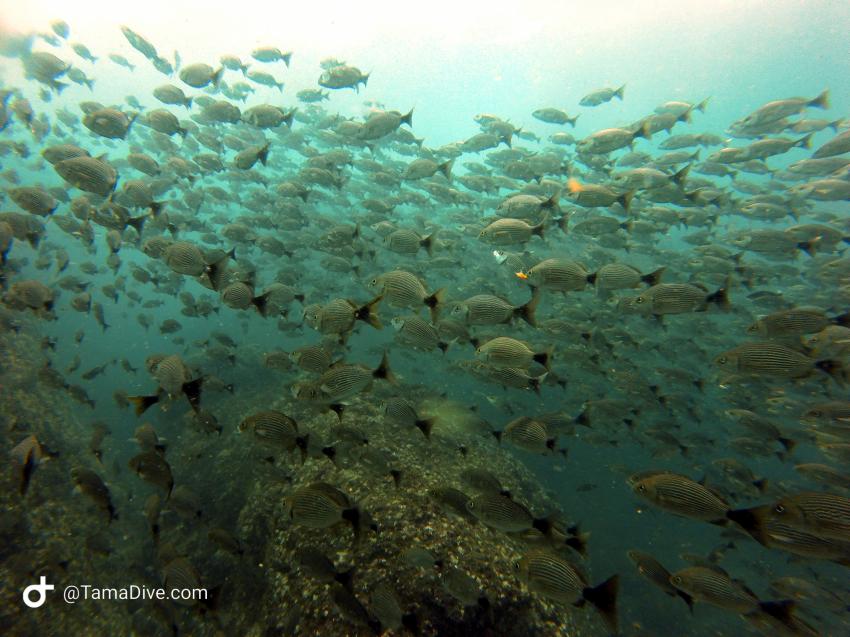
701	106
354	517
407	119
577	540
434	302
338	409
679	177
787	443
527	312
261	303
805	141
653	278
841	319
626	199
750	522
687	599
644	131
720	297
572	121
810	247
536	381
821	101
834	368
425	425
782	610
619	92
604	599
369	313
552	202
139	222
383	371
428	243
835	124
446	169
263	155
540	228
545	357
563	223
761	484
188	102
216	77
142	403
192	390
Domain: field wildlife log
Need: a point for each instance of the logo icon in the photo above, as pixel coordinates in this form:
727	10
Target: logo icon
41	588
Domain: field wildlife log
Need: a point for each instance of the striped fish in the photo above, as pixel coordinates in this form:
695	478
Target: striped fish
795	322
343	380
504	351
559	275
184	258
399	410
320	506
312	358
403	289
774	360
557	579
418	333
89	174
675	298
276	429
237	295
486	309
654	571
618	276
505	376
716	588
529	434
825	514
680	495
179	574
406	241
507	231
34	199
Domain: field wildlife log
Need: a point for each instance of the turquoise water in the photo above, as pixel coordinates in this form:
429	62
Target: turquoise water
648	384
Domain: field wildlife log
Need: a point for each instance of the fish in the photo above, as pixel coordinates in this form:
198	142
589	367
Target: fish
90	484
655	572
404	289
26	457
602	95
504	351
276	429
152	467
718	589
680	495
487	309
768	359
557	579
320	506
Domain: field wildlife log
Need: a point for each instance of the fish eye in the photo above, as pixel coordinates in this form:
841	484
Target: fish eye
722	360
779	508
639	300
675	579
641	488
